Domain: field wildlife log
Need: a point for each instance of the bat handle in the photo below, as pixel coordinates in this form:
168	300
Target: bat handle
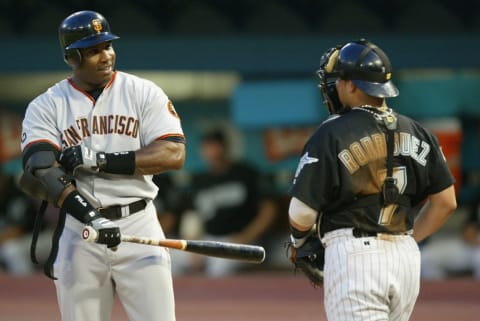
89	234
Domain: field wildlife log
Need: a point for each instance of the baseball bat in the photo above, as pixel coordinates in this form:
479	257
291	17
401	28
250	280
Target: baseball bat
225	250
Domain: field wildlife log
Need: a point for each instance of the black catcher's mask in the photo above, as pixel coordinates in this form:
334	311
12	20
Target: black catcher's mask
327	80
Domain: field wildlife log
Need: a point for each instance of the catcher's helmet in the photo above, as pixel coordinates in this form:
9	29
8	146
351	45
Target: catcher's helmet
327	79
368	67
83	29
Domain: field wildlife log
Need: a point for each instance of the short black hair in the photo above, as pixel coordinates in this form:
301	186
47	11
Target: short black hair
215	135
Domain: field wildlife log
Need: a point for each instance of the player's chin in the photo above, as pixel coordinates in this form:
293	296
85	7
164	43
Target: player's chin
103	76
105	73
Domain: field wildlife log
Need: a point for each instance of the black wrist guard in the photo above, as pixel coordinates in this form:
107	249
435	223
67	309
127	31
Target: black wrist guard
298	234
117	163
78	207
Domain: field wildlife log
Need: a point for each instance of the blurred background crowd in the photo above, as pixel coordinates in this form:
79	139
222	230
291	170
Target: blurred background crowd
216	17
242	77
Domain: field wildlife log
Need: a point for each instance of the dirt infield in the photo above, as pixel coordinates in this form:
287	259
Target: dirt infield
251	297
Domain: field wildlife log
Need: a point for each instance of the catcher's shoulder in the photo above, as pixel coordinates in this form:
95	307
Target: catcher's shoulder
326	128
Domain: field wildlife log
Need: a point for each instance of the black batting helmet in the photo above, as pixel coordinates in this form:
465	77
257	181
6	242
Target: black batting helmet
83	29
368	67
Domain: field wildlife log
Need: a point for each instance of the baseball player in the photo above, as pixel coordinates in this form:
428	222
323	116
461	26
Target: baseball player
90	145
365	170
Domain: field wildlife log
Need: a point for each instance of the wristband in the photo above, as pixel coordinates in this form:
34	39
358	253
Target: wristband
117	163
299	234
78	207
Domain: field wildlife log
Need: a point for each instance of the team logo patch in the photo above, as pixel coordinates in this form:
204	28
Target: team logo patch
305	160
97	25
171	109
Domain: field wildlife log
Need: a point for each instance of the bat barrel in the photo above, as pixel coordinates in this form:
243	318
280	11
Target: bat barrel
225	250
243	252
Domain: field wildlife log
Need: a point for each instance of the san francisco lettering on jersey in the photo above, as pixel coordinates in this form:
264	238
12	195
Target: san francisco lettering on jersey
100	125
371	148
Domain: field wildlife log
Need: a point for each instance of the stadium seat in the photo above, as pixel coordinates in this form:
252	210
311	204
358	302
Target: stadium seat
128	19
201	18
349	17
274	18
46	21
6	27
427	16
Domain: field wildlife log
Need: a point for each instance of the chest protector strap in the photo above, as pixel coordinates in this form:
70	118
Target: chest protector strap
390	191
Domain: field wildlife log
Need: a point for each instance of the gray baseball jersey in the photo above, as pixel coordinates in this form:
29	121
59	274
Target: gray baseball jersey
130	113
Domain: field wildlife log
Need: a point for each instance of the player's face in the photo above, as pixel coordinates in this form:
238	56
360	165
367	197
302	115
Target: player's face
97	66
214	154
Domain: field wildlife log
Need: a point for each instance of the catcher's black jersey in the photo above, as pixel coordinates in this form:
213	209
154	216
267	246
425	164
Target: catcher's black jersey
345	160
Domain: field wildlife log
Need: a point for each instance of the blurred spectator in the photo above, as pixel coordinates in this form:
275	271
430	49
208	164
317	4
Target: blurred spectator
17	213
166	203
457	255
230	202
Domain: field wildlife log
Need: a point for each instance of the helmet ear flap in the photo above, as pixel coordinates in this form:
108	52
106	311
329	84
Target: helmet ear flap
73	57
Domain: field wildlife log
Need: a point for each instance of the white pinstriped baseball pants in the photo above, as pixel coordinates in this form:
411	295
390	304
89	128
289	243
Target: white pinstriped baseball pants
370	278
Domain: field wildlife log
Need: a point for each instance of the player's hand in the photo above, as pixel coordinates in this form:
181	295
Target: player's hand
108	232
79	156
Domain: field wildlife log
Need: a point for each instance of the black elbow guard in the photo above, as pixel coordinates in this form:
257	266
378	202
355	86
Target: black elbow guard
42	179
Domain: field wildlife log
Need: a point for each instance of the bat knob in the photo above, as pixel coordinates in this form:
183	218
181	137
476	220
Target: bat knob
89	234
263	256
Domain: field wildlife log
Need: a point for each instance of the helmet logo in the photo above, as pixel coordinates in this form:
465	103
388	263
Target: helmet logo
97	25
388	75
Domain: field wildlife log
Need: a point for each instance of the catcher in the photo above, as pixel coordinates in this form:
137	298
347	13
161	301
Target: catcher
367	169
304	249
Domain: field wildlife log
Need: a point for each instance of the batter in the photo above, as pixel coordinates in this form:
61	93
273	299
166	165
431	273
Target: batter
91	144
367	186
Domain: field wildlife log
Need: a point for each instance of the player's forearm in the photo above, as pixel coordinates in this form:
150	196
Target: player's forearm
259	225
68	190
470	234
10	233
434	214
158	157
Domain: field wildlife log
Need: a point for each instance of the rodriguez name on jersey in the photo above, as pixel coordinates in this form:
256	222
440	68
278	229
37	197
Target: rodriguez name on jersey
370	148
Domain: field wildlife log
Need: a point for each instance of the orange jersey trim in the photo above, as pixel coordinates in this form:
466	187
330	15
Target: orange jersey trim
111	80
74	85
182	137
42	141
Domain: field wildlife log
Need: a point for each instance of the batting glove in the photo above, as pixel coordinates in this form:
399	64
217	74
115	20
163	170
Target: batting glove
80	156
108	232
